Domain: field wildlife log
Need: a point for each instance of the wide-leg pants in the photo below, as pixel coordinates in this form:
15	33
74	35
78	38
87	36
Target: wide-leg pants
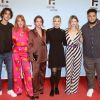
39	70
73	64
20	62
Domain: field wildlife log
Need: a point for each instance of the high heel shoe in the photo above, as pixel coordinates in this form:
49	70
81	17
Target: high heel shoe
52	92
56	91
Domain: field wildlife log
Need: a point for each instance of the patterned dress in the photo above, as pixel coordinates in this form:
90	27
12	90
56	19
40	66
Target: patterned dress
73	62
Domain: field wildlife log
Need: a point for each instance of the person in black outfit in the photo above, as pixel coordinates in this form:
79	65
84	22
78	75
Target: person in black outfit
56	39
6	48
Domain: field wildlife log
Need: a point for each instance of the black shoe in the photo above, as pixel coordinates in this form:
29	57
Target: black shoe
19	94
57	91
32	98
41	93
52	92
37	97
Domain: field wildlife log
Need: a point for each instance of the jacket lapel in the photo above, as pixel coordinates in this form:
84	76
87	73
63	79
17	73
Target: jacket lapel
41	39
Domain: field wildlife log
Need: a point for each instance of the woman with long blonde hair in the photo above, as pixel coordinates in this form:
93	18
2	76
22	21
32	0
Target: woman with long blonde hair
20	57
73	55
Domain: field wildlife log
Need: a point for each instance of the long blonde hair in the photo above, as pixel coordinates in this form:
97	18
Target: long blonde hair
73	17
25	28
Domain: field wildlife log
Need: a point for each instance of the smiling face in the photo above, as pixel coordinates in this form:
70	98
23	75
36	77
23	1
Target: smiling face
73	23
92	17
20	23
56	22
6	15
38	23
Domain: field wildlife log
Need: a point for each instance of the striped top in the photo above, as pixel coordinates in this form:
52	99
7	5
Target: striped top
75	41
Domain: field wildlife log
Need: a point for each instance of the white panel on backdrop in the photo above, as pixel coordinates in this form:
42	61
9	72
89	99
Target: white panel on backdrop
47	9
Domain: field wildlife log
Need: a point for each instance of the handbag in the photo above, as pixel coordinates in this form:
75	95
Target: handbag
35	56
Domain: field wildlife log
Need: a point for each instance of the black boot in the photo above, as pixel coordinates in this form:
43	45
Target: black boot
52	82
57	79
52	92
56	91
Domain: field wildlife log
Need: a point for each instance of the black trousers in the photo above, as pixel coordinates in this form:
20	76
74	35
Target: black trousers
91	66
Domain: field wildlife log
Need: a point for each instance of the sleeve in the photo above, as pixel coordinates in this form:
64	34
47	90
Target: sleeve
30	46
12	35
82	32
47	36
64	39
13	38
81	37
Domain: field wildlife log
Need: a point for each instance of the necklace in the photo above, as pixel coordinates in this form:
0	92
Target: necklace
21	34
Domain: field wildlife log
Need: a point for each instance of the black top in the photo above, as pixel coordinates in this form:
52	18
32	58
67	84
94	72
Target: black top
91	40
5	38
56	38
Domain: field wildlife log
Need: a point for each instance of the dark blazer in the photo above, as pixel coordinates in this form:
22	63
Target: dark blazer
37	45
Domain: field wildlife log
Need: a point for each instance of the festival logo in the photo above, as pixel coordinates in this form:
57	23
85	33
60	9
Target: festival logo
95	4
52	5
4	3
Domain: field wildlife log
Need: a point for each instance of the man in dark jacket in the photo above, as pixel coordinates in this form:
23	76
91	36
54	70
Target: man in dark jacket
91	49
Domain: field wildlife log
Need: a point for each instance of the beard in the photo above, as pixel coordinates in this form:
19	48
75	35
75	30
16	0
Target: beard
92	22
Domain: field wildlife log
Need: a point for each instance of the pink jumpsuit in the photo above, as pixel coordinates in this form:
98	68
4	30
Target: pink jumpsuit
21	62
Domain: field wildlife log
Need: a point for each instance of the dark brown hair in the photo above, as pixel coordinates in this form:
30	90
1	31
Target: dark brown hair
92	10
40	18
4	10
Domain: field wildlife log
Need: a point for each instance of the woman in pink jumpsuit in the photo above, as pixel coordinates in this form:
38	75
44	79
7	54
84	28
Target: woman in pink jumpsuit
20	57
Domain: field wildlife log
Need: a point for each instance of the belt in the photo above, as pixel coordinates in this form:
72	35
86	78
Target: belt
73	45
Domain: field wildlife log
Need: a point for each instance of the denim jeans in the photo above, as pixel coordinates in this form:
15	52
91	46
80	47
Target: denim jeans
7	58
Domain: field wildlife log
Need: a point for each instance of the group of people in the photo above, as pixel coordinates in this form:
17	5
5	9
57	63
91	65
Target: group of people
19	46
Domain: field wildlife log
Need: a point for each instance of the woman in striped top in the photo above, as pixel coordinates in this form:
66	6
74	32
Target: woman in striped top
73	55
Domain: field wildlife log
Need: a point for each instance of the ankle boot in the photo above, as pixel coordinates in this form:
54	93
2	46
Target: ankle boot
56	91
52	92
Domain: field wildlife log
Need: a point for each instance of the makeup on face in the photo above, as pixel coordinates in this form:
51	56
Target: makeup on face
56	22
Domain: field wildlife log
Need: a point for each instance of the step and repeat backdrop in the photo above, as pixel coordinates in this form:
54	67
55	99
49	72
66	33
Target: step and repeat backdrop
47	9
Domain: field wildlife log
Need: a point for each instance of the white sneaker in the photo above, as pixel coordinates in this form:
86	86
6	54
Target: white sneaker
90	92
12	93
0	92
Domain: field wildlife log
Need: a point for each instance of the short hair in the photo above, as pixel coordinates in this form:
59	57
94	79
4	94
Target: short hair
4	10
38	17
57	16
92	10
